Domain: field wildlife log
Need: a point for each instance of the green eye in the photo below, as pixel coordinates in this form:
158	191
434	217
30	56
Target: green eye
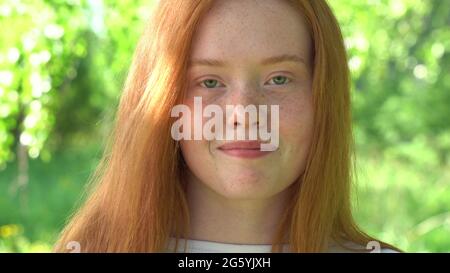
279	80
209	83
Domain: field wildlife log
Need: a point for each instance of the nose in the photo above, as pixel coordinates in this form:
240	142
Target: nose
245	116
242	109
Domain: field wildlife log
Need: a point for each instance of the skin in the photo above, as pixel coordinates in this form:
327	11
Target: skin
233	199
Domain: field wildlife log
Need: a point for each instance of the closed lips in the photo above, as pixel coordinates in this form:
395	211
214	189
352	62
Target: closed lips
243	149
241	145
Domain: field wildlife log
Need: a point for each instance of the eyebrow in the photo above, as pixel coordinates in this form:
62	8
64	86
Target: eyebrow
267	61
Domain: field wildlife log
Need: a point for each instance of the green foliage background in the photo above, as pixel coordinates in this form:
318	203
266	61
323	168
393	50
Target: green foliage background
63	63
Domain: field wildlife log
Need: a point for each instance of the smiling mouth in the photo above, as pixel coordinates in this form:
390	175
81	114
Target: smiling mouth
243	149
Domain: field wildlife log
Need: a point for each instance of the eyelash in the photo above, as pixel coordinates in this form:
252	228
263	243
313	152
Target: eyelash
288	79
202	81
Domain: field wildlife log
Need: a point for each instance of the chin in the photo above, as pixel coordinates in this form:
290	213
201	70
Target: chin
243	194
245	187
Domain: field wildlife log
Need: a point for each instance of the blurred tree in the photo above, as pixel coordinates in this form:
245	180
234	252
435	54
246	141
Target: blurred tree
398	53
114	30
64	60
400	62
41	43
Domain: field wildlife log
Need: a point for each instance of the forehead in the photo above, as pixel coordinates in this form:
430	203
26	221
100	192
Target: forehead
250	30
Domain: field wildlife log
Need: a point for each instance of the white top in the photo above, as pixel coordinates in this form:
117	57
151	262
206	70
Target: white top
199	246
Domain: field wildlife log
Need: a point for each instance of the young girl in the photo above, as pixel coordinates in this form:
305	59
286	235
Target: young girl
154	193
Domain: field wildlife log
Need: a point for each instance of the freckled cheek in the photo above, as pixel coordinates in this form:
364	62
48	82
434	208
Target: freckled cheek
296	123
196	153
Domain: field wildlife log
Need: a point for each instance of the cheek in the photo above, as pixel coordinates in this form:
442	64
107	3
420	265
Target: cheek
196	153
296	126
191	150
197	157
296	123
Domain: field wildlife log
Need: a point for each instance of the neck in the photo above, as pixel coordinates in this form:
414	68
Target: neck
214	217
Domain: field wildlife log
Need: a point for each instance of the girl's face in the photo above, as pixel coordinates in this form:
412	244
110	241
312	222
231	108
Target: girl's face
251	53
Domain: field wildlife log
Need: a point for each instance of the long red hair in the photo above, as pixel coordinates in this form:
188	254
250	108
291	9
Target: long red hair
137	198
